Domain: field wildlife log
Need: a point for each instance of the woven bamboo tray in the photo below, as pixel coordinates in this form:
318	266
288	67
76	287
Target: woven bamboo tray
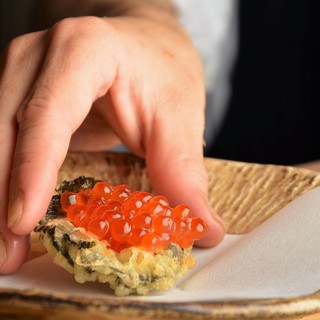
243	194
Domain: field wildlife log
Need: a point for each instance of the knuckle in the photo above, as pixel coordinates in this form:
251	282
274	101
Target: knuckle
64	27
76	27
40	103
27	157
66	34
77	39
41	113
24	159
15	50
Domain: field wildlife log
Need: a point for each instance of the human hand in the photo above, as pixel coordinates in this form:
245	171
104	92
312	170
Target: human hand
92	82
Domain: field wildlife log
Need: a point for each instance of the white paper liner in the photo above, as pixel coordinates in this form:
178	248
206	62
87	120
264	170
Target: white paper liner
281	258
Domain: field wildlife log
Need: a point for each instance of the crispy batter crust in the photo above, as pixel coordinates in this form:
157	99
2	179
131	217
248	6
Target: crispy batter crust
133	270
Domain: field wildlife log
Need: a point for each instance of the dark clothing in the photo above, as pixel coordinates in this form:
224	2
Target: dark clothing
273	115
14	19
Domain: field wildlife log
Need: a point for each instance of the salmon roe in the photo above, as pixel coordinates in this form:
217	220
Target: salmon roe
123	218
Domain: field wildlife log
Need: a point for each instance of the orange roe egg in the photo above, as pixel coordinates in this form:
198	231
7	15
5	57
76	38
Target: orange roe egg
120	230
150	241
142	196
181	230
136	235
153	208
99	227
82	219
83	196
74	211
120	193
103	189
142	221
197	228
128	214
123	218
185	243
163	224
181	212
114	205
68	199
163	201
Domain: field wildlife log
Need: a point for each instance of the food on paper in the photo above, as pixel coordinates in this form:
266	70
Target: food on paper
134	241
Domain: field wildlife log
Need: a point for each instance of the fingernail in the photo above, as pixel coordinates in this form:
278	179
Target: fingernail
15	208
3	250
217	218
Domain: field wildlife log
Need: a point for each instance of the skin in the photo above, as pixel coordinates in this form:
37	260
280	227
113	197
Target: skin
88	83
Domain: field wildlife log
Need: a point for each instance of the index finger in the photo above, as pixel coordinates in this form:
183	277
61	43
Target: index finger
58	102
13	248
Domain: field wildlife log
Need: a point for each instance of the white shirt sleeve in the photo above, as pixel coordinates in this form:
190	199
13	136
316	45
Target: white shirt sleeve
212	25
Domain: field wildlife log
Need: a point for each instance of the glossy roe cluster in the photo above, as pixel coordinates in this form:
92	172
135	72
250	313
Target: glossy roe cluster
124	218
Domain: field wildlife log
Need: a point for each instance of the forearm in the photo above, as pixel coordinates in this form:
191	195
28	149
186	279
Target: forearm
47	12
